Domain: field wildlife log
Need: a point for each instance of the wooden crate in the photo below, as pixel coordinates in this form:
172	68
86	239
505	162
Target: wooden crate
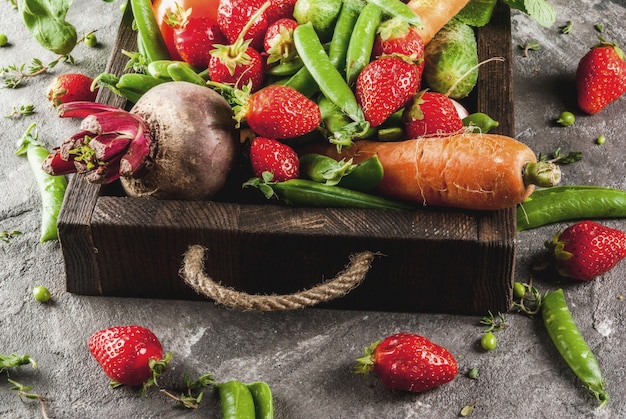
448	261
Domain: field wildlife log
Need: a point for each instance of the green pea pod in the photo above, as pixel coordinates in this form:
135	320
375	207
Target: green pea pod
325	74
152	42
309	193
236	400
287	68
338	47
46	22
182	71
365	176
324	169
480	122
563	203
399	9
158	69
303	82
134	85
361	42
340	129
571	344
263	400
51	188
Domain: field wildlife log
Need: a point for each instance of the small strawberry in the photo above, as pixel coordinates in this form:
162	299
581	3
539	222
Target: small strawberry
431	114
587	249
239	63
384	86
268	155
397	36
275	111
278	43
194	37
280	9
243	19
600	77
409	362
71	87
129	355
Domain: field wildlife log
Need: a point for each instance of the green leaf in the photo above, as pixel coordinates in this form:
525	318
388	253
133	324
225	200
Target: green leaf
540	10
45	19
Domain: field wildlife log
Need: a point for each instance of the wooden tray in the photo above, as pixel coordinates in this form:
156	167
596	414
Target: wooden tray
432	260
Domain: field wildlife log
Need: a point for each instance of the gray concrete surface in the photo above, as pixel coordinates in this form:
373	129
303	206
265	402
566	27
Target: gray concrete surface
306	356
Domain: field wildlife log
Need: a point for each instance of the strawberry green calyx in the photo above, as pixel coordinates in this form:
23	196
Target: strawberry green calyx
365	364
604	43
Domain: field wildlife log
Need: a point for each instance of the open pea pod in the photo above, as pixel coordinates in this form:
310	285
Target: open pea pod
45	19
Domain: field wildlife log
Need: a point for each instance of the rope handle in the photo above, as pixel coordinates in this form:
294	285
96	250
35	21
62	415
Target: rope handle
192	271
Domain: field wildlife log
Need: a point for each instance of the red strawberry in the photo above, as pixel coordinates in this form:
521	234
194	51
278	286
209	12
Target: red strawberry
278	42
71	87
268	155
280	9
409	362
431	114
279	112
384	86
125	352
600	77
243	18
397	36
194	37
587	249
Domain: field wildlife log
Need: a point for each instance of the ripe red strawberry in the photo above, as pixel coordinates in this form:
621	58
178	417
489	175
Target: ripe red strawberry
194	37
397	36
431	114
268	155
409	362
587	249
278	42
243	18
600	77
280	9
125	352
279	112
384	86
71	87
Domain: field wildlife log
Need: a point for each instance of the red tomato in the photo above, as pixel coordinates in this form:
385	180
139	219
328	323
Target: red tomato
199	8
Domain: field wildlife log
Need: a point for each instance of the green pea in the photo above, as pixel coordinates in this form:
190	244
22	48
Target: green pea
488	341
3	40
601	140
566	119
519	290
473	373
91	40
41	294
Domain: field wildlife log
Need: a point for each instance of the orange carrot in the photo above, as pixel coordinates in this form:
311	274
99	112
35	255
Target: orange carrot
435	14
470	170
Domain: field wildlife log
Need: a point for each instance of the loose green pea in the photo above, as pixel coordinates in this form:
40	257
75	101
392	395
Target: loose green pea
519	290
3	40
473	373
41	294
91	40
601	140
488	341
566	119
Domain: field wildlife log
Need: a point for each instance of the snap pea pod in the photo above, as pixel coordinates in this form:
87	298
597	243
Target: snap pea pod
338	47
361	41
51	188
325	74
287	68
364	176
182	71
158	69
397	8
309	193
263	399
339	129
303	82
152	41
134	85
571	344
562	203
480	122
236	400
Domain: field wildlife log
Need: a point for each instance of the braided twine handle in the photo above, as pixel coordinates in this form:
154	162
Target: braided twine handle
193	273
